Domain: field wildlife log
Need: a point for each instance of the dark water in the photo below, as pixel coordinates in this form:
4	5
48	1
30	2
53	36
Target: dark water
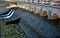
50	28
12	22
54	22
41	24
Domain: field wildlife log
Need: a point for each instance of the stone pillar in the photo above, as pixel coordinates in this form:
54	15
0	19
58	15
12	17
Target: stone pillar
36	1
30	1
26	1
20	0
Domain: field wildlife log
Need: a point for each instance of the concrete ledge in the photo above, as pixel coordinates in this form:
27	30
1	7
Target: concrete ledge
12	6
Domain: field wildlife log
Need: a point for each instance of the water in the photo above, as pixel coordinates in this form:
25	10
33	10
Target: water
48	28
41	25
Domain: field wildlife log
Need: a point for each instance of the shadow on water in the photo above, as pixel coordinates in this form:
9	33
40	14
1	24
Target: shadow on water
52	22
13	21
55	22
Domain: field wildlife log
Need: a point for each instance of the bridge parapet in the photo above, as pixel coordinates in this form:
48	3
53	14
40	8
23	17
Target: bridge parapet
54	13
48	8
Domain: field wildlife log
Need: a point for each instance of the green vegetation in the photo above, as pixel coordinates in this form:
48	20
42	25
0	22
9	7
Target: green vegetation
4	4
11	31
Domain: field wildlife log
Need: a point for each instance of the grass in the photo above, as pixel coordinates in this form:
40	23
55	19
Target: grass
11	31
4	4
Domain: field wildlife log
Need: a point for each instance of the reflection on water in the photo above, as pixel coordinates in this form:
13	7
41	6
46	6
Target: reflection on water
53	22
41	24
